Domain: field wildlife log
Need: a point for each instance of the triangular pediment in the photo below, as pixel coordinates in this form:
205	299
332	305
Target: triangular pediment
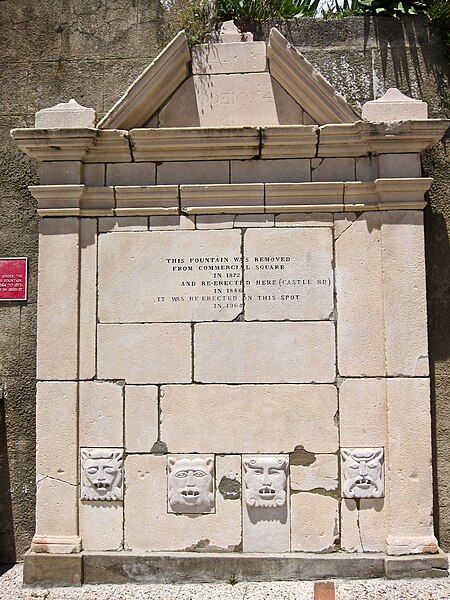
229	83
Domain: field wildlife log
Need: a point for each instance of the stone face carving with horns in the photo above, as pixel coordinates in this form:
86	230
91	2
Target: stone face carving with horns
265	480
101	474
363	472
191	484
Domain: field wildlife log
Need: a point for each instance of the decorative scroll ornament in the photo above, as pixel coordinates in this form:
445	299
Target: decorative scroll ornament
265	480
101	474
191	484
363	472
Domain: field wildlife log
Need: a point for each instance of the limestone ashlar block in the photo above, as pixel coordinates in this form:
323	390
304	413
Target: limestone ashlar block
321	473
244	221
97	201
117	224
146	200
61	172
56	448
265	171
73	200
236	100
362	413
367	168
58	289
314	522
150	527
359	289
94	174
218	199
304	197
144	353
304	220
131	174
405	308
198	143
402	193
240	419
301	80
364	525
332	169
216	221
277	352
101	526
171	222
101	414
55	144
88	298
201	171
289	274
399	165
409	463
289	141
152	88
234	57
109	146
141	417
64	115
143	276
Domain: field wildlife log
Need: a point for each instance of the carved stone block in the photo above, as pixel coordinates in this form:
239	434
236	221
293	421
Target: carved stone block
101	474
363	472
265	481
190	484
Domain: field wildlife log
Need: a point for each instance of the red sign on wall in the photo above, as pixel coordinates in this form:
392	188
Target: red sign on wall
13	278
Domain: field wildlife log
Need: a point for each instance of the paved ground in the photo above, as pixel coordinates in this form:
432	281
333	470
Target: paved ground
377	589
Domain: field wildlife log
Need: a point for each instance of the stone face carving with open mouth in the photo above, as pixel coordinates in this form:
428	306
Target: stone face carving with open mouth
363	472
265	480
190	484
101	474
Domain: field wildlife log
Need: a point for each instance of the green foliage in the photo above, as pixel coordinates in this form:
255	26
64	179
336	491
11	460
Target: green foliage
439	17
232	580
250	15
197	18
392	8
336	10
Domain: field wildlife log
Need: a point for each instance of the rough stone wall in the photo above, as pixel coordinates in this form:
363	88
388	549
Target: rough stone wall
52	51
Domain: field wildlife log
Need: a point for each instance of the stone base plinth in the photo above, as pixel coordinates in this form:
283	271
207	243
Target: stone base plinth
180	567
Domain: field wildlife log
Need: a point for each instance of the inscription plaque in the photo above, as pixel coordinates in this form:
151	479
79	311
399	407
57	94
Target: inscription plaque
215	275
13	278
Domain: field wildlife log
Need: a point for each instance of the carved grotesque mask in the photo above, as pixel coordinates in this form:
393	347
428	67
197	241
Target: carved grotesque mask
191	484
363	472
101	472
265	480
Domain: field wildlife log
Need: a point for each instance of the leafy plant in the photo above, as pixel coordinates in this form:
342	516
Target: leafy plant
348	8
393	8
232	580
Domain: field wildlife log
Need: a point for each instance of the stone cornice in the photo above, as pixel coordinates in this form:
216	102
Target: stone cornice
239	198
228	143
195	143
306	85
152	88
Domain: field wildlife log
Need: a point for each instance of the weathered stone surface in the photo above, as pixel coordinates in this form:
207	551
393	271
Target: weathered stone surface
147	520
64	115
359	288
399	567
56	514
248	99
288	274
95	174
405	308
409	461
140	173
169	222
202	171
394	106
139	353
364	526
190	484
399	165
322	474
304	220
61	172
215	221
101	414
314	522
254	221
88	298
56	448
141	417
362	413
101	525
208	59
170	276
237	418
254	171
238	198
57	352
332	169
264	352
47	570
367	168
108	224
